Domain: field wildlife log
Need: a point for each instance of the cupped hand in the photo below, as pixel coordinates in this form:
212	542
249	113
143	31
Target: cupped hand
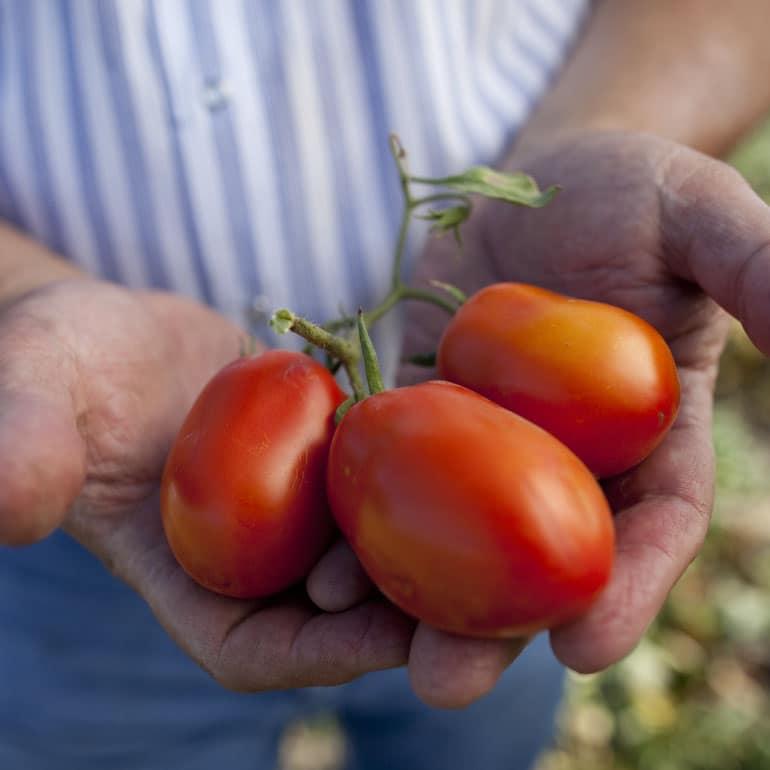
95	381
677	238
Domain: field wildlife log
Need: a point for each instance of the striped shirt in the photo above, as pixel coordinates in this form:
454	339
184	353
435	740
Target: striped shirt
235	150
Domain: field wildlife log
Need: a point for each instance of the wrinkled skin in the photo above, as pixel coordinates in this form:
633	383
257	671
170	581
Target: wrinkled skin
671	235
96	381
639	222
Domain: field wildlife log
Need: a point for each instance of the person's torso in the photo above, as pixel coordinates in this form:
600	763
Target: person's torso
238	149
233	151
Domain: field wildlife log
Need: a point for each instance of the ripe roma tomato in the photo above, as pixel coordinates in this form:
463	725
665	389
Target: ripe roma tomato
243	494
597	377
466	515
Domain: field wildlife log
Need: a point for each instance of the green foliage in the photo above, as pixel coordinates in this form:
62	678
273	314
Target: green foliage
448	220
752	159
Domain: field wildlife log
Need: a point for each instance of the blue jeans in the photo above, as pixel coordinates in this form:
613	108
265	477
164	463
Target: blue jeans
89	680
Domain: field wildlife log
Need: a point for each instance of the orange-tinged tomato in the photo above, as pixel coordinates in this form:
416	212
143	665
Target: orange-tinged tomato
466	515
243	494
597	377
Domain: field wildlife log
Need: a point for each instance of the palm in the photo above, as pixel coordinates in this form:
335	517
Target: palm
639	222
101	379
603	237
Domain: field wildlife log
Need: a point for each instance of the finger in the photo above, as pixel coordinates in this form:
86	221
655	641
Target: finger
717	233
42	453
293	645
664	513
338	580
254	646
449	671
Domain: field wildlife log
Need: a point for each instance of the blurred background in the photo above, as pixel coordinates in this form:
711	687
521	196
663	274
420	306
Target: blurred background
695	694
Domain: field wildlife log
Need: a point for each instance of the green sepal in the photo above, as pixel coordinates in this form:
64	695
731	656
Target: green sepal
369	354
448	219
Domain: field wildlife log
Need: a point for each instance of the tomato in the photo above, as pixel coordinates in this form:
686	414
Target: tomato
243	494
467	516
597	377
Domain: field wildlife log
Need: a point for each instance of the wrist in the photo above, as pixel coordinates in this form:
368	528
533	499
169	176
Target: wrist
656	68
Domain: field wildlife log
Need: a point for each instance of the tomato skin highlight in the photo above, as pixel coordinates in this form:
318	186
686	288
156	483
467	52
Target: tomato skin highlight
467	516
597	377
243	498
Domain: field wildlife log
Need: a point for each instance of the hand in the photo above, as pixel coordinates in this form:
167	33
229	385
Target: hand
671	235
94	383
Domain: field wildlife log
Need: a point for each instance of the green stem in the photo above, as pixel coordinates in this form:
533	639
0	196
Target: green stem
318	336
433	297
408	292
398	258
342	349
343	409
356	383
392	299
399	155
406	216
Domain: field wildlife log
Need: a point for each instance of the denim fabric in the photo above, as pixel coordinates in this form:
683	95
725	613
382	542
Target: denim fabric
89	680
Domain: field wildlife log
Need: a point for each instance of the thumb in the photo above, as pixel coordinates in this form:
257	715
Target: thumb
42	453
717	233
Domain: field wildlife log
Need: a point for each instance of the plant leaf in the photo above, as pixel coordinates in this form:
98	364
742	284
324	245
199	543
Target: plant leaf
514	187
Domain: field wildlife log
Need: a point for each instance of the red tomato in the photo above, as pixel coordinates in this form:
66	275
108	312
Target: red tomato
466	515
597	377
243	499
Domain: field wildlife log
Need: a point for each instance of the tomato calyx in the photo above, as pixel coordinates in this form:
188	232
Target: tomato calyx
369	354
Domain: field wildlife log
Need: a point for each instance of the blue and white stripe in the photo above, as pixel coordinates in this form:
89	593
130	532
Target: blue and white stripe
227	149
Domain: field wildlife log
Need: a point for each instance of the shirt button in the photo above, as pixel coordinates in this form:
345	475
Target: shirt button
215	96
259	310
